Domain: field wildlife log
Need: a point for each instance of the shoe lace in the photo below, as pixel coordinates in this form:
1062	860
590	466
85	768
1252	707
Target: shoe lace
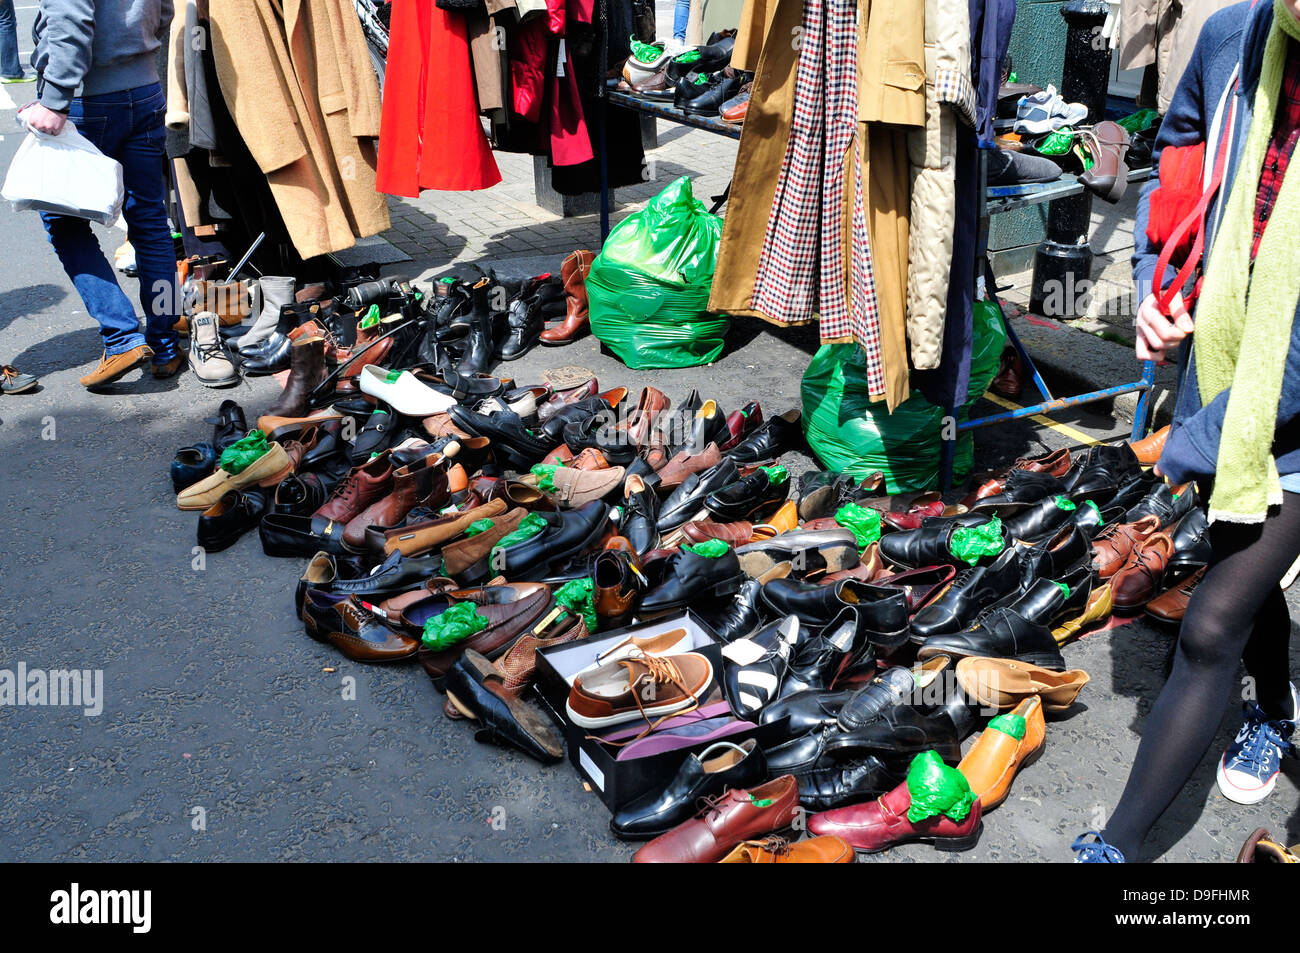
1266	741
1096	851
773	844
347	484
658	671
208	350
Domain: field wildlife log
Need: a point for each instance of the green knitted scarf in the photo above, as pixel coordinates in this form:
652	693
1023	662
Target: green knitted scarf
1244	316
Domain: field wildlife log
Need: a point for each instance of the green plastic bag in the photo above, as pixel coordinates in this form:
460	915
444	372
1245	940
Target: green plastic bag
937	789
709	549
529	526
579	595
648	290
452	625
851	433
862	520
545	473
244	452
972	543
1009	724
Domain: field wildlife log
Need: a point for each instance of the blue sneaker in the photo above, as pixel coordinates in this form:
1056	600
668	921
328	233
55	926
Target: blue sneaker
1096	851
1248	769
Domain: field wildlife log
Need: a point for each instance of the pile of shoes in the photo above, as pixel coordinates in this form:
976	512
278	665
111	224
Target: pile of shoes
699	81
472	522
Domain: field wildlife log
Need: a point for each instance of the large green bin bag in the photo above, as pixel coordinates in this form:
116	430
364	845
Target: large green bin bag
853	434
649	286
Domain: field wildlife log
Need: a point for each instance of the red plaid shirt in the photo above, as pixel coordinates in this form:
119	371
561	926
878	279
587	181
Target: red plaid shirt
1286	129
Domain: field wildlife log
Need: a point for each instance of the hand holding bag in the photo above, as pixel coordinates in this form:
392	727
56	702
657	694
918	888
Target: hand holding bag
66	175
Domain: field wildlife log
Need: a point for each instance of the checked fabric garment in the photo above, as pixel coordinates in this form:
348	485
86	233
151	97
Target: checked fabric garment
816	257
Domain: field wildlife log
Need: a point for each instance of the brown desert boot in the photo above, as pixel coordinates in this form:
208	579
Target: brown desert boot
1171	605
1149	448
1005	683
117	366
725	821
573	272
1007	744
779	850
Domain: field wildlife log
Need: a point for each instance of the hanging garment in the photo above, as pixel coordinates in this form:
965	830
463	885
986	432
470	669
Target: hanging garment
297	79
949	99
429	93
755	20
1163	32
991	22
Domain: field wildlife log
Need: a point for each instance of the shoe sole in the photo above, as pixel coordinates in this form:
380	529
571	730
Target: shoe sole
1240	795
608	721
114	378
835	559
947	844
24	389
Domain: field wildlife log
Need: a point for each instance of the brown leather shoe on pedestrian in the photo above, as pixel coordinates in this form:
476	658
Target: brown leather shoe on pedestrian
117	366
573	272
1171	605
1149	448
1113	546
725	821
170	368
1139	580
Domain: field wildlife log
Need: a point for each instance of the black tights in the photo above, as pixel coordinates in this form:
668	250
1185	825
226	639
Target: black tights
1237	613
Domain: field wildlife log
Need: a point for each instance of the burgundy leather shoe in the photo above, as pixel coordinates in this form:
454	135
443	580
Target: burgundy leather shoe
880	824
724	822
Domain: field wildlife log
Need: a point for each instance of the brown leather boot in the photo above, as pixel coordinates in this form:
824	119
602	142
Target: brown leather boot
306	371
423	483
574	273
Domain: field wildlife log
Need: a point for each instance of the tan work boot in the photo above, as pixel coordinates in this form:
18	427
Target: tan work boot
117	366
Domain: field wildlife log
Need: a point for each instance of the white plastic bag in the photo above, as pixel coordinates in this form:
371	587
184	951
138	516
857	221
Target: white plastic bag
67	175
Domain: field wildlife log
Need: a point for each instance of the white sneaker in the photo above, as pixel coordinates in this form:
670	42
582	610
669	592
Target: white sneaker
1046	112
402	391
208	358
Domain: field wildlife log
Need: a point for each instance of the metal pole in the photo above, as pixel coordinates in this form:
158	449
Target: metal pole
1064	259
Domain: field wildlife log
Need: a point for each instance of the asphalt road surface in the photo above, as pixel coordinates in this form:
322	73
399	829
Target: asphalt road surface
224	732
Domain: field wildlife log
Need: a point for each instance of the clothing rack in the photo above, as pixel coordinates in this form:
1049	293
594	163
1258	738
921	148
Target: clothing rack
994	200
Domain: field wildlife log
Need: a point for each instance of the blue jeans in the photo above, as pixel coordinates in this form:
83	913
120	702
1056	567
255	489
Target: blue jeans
128	126
11	67
681	16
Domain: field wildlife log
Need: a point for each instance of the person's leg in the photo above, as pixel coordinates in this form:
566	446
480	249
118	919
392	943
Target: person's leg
142	154
1267	657
681	17
1224	614
78	249
11	67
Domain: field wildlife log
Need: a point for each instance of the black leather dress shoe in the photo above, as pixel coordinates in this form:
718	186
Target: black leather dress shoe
228	425
927	546
300	494
691	577
1069	549
820	657
1021	487
375	437
396	574
503	717
702	59
221	525
881	610
776	436
322	570
753	667
749	495
329	445
580	412
1039	519
1100	471
526	317
706	99
1162	502
596	432
567	535
1132	490
806	711
973	590
513	444
718	767
640	515
1191	539
922	687
738	617
901	732
837	784
284	534
809	551
1002	634
801	754
1040	601
688	499
192	464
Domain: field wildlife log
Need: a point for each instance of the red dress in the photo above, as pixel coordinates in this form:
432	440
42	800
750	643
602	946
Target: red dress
430	136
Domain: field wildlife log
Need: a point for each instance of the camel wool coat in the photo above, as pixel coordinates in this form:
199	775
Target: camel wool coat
297	79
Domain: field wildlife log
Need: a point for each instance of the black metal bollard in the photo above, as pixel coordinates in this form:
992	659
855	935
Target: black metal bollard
1063	261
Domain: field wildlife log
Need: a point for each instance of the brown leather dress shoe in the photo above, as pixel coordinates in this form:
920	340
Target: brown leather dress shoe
1115	543
1171	605
724	822
1149	448
677	469
1138	582
778	850
117	366
1055	462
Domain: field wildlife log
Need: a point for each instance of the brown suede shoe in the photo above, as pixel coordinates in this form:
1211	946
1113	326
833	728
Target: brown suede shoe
170	369
685	463
116	367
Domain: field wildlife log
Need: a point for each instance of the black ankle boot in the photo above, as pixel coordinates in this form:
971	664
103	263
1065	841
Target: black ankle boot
479	347
272	355
524	327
